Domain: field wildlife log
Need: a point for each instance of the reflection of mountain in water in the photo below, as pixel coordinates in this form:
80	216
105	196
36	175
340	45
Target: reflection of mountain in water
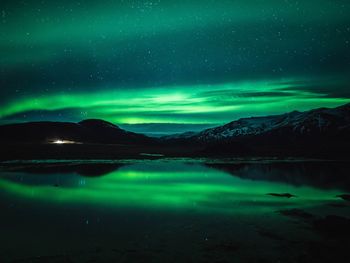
323	175
57	174
83	169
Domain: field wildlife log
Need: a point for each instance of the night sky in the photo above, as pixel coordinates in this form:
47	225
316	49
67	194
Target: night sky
169	65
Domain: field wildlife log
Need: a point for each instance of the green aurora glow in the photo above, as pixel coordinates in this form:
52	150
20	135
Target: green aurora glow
172	187
178	104
171	62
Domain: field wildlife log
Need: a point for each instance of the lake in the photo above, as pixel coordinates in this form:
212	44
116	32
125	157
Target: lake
174	210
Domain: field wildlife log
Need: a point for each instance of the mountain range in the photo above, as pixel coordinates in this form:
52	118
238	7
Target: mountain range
323	132
318	131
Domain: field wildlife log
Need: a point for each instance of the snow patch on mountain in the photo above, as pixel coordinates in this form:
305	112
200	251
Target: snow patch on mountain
314	121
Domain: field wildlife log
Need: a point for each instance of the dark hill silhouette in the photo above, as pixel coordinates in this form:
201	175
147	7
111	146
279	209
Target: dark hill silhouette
87	131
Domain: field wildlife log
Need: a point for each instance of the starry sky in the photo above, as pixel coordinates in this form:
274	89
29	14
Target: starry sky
168	66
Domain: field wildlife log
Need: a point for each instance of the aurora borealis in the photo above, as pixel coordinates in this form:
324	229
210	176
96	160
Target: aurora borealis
188	63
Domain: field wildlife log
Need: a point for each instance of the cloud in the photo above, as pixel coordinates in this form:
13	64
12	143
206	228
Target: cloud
330	88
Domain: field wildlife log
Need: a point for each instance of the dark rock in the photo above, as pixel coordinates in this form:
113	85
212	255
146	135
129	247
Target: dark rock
287	195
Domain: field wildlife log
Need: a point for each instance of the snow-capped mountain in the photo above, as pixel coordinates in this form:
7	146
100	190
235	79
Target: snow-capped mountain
318	121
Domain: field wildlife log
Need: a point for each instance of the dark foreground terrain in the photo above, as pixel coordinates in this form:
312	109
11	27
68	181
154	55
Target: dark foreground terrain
33	151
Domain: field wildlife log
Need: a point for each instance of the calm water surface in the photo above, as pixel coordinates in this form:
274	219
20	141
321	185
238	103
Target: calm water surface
174	211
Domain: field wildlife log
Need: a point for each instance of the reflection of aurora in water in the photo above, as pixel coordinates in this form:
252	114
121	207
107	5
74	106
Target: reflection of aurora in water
163	185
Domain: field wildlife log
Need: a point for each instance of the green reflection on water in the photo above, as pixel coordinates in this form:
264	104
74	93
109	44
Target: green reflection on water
170	186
